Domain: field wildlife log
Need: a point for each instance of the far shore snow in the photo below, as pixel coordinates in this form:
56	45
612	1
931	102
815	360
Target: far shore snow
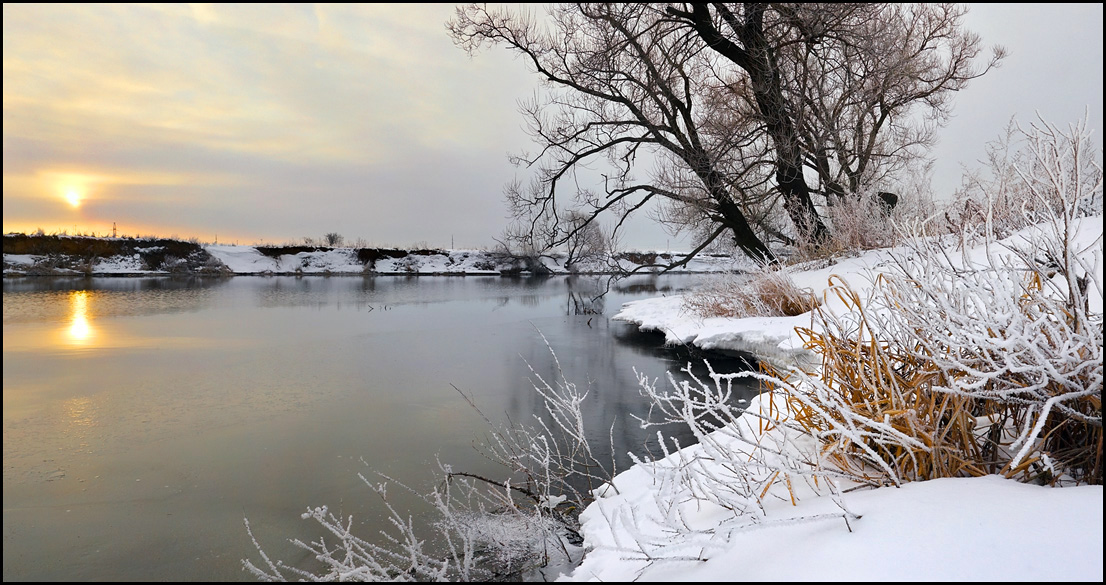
250	260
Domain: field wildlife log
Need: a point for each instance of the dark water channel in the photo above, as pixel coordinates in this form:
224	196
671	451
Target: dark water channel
145	417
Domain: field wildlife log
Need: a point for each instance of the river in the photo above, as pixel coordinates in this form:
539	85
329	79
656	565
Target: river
144	418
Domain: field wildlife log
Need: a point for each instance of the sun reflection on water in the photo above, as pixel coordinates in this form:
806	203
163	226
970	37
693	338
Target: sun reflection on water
80	412
80	330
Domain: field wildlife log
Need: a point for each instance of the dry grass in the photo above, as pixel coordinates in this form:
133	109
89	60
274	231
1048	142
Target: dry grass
883	409
766	292
874	381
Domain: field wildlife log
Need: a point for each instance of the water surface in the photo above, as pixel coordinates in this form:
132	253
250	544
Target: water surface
145	417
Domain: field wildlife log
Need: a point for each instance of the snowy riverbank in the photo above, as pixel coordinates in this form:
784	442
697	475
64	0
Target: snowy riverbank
71	255
661	524
250	260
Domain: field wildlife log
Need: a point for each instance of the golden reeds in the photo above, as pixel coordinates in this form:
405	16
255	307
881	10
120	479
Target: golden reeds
883	409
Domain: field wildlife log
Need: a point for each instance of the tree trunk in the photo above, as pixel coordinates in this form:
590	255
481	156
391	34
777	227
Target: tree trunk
757	58
744	236
732	216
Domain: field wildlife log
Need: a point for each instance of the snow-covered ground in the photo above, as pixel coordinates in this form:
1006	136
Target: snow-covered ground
962	529
956	529
345	261
774	338
248	260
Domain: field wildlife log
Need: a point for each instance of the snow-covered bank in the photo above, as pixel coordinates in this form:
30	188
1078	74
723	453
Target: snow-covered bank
954	529
64	255
669	520
768	338
775	338
250	260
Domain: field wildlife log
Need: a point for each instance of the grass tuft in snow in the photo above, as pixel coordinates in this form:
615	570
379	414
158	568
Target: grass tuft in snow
765	292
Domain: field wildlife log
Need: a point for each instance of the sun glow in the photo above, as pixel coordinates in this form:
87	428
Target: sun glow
80	330
73	197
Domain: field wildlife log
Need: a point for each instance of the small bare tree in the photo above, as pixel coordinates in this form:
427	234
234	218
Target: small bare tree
587	242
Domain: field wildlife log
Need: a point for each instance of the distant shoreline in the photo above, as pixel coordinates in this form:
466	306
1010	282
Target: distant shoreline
54	255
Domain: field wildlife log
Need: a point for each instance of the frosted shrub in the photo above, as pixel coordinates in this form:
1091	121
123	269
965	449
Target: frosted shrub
1019	332
479	535
1032	175
862	222
973	364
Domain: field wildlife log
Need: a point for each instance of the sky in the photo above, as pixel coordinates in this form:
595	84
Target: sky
268	124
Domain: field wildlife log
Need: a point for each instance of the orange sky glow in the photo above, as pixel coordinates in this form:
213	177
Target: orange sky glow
272	123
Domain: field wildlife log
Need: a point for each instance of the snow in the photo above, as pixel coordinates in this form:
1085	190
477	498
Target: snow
774	338
345	261
954	529
121	265
22	259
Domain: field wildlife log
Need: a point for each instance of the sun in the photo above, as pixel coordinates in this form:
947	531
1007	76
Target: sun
73	197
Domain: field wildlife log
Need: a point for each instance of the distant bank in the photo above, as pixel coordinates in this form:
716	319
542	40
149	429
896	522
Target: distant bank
57	255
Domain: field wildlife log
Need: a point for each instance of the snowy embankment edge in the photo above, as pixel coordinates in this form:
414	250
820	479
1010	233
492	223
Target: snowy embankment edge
971	527
772	339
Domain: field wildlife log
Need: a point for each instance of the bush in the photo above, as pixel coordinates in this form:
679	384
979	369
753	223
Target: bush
961	365
948	372
863	222
765	292
1031	176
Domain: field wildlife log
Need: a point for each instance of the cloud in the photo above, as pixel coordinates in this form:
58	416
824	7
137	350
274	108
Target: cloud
288	120
232	102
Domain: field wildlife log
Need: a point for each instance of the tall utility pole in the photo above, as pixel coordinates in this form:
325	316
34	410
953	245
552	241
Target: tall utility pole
113	229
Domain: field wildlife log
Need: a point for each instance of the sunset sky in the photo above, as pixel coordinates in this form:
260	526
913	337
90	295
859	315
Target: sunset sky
274	122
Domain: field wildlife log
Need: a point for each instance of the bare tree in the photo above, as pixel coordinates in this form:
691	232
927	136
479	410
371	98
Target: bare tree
587	242
333	239
725	108
625	82
856	88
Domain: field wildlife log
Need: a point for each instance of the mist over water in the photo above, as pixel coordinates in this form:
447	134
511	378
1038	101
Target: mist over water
145	417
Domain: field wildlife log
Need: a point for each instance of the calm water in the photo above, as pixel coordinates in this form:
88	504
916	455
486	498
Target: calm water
145	418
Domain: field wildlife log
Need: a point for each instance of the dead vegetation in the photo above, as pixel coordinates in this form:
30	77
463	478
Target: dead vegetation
766	292
62	254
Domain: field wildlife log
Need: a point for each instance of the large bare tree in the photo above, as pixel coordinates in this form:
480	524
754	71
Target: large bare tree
849	91
716	111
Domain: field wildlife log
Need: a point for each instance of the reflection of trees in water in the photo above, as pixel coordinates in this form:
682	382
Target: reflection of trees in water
111	284
359	292
585	296
642	285
582	304
601	362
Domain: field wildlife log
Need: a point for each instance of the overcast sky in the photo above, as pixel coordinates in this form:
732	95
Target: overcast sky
274	122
